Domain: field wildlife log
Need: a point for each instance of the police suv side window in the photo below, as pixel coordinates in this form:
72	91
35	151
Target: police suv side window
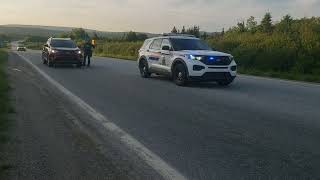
145	44
156	45
166	42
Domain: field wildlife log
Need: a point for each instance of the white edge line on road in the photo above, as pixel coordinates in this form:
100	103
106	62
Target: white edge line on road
153	160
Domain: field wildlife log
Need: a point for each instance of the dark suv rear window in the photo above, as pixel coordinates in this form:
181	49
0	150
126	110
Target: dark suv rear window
63	43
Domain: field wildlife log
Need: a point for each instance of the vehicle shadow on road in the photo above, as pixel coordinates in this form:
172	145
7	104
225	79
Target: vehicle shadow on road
160	78
206	85
63	66
199	85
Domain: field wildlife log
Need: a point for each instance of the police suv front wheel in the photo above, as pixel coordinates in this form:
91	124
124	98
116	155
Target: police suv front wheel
144	69
179	75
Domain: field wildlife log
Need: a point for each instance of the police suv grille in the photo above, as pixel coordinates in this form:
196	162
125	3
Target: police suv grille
216	60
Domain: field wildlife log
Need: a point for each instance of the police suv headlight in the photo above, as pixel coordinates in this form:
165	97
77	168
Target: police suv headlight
231	58
194	57
79	52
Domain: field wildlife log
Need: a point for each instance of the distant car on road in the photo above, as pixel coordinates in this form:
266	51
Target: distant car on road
61	51
20	48
185	58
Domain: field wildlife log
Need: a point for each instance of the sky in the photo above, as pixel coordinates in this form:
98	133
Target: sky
149	15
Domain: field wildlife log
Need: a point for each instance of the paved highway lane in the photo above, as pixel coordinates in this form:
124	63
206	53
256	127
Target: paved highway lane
257	128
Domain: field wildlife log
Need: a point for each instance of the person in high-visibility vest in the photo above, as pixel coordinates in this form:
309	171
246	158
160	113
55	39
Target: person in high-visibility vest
93	42
87	50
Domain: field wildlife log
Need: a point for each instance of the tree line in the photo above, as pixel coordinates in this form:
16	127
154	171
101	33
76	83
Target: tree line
195	30
81	35
288	46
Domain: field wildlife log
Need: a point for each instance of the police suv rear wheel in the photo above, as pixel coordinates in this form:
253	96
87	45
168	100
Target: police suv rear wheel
144	69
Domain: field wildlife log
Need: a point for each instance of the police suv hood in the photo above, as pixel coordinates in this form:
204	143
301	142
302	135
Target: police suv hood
203	53
66	49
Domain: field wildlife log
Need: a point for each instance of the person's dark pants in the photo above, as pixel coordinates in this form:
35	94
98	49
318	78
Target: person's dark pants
86	56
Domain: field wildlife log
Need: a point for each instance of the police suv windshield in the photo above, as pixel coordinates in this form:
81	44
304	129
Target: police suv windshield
189	44
63	43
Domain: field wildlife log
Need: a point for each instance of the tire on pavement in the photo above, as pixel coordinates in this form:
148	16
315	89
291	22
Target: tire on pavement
179	75
50	63
144	69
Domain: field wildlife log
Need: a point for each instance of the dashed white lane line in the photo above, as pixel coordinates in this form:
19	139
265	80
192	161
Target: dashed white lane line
153	160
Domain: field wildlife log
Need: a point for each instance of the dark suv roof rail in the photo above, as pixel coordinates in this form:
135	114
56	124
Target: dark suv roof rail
176	34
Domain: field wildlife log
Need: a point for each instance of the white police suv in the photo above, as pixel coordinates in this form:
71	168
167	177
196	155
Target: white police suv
185	58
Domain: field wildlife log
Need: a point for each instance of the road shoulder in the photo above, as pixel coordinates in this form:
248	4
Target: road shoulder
49	143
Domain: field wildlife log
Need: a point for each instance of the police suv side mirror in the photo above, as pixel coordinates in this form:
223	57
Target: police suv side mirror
166	48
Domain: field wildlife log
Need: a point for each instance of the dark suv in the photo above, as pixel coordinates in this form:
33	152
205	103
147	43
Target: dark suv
61	51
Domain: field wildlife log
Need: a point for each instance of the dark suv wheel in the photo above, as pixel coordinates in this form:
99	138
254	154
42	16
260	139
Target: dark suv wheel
50	63
44	61
179	75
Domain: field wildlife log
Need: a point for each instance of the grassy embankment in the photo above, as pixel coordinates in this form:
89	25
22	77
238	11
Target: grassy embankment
122	50
33	45
34	42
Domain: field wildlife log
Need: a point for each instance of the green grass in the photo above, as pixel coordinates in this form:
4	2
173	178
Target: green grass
33	45
4	88
117	56
282	75
5	107
122	50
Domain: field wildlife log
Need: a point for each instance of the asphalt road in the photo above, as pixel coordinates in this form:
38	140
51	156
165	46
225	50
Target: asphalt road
257	128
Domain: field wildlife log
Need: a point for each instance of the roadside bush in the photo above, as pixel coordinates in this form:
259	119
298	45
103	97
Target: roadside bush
127	50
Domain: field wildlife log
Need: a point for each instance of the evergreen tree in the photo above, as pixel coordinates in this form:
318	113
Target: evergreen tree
79	34
183	31
204	35
174	30
251	24
285	24
241	27
131	36
142	37
266	23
